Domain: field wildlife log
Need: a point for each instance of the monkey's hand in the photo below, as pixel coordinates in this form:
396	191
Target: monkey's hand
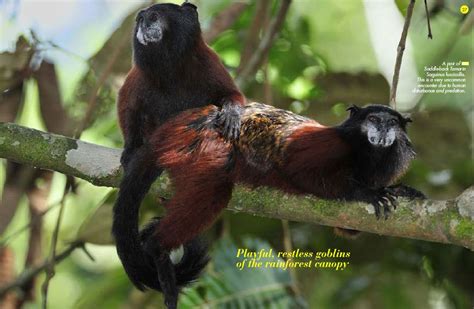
229	121
402	190
383	198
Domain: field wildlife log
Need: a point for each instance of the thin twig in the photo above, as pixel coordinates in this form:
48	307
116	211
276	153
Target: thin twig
37	205
259	23
7	239
400	50
264	47
430	35
27	275
52	257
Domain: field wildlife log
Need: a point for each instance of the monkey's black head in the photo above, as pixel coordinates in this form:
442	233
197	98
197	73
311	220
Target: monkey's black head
381	148
379	125
164	29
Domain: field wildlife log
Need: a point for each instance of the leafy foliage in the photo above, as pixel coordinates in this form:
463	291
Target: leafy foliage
225	286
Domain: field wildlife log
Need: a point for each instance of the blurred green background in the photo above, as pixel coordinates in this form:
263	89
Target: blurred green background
329	54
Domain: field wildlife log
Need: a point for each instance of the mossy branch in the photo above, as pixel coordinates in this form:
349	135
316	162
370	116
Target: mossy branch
448	221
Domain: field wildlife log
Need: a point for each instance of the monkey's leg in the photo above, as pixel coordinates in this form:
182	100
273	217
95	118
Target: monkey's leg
195	206
192	212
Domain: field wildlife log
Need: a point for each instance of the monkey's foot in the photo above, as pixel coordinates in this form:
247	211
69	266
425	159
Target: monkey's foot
383	199
402	190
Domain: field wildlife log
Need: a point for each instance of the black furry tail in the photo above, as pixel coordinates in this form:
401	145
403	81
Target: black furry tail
189	263
138	264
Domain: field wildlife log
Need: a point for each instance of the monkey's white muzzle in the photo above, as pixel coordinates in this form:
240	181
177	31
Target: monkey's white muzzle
150	34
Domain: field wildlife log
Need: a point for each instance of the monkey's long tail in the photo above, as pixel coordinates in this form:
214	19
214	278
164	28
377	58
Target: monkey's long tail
189	266
138	265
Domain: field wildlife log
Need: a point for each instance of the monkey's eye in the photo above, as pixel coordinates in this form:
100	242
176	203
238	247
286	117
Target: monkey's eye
373	119
153	17
393	122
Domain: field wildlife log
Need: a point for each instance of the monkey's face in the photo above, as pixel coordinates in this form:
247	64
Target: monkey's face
166	21
379	125
381	129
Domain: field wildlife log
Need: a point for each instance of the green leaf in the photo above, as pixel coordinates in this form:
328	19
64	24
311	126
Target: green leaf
427	267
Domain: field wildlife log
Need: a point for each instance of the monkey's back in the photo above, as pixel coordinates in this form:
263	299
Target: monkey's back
264	133
264	136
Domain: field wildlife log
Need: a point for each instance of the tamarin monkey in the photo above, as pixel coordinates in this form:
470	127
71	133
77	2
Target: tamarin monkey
358	160
173	70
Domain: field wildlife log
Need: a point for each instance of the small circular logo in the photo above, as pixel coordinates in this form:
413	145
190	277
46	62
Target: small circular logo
464	9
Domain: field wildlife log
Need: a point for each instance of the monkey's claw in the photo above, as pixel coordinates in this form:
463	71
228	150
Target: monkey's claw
229	121
384	199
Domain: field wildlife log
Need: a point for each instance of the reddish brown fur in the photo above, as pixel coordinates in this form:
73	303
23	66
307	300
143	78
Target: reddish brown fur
126	101
204	77
190	172
321	151
204	184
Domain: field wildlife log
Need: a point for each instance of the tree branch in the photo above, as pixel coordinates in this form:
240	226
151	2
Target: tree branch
449	221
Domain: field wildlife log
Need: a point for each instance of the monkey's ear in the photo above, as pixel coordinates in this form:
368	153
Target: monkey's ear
187	4
406	117
353	109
